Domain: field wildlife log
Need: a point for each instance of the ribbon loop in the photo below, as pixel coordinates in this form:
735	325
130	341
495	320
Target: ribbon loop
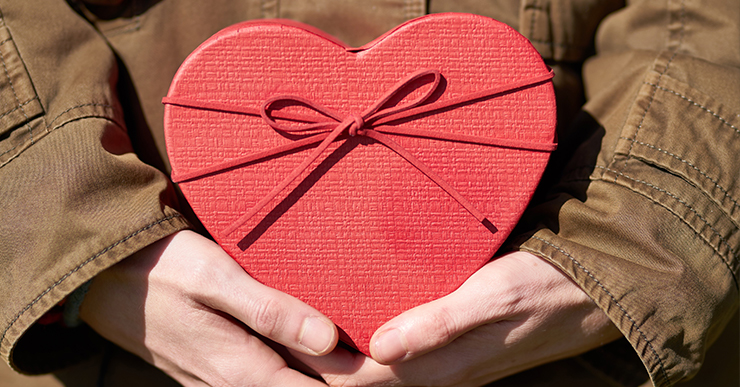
301	124
406	85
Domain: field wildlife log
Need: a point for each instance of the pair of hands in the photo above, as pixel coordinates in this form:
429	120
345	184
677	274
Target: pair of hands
185	306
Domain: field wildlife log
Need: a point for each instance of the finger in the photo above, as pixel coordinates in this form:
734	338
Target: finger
235	357
345	368
272	313
289	377
480	300
253	362
421	330
290	359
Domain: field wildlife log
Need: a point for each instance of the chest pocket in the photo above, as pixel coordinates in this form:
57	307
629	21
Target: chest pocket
19	103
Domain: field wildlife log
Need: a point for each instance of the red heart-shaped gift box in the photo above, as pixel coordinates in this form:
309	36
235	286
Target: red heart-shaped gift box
364	181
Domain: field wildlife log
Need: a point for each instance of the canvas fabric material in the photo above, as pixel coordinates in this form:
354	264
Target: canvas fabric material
639	205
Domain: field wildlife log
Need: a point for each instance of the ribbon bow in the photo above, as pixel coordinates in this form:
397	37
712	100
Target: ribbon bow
367	124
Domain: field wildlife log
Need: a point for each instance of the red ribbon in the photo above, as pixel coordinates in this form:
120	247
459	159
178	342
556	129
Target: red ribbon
365	124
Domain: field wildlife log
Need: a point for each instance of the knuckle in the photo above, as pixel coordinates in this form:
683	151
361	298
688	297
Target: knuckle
200	271
204	283
445	327
266	316
197	281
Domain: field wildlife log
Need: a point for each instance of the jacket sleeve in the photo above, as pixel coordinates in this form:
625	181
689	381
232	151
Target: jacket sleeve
645	213
74	198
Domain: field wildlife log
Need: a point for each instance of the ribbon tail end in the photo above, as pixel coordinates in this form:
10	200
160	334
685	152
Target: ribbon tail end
489	225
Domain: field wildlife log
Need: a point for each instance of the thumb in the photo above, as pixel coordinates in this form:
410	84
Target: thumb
491	294
420	330
437	323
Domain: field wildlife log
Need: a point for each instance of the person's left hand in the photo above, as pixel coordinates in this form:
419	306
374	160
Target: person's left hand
515	313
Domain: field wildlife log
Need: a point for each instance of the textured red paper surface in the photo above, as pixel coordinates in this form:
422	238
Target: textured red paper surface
361	235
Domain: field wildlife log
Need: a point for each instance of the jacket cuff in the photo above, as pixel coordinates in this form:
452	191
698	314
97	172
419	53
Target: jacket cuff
632	241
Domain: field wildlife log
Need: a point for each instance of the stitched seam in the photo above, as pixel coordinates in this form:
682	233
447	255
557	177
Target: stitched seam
15	94
660	77
687	205
717	116
614	300
10	150
3	163
19	106
49	129
80	266
704	174
76	107
102	117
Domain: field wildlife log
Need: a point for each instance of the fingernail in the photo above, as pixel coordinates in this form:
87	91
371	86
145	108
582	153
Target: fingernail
390	346
316	335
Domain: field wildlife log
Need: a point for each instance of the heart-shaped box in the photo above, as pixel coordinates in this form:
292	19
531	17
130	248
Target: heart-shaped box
364	181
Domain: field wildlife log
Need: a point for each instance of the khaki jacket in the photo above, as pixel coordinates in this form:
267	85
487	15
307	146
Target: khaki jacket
640	205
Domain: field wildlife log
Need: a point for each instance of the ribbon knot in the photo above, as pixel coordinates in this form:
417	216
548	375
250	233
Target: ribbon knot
388	109
388	106
355	126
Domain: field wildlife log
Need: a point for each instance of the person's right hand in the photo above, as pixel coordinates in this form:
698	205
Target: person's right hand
185	306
